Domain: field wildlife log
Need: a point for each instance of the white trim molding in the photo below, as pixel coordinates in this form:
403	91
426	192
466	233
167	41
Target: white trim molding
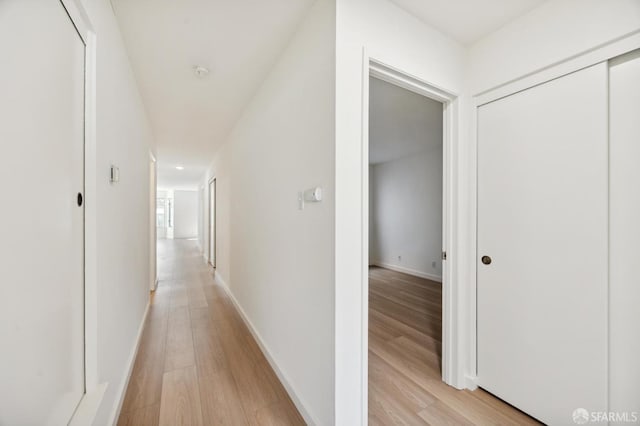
408	271
300	405
94	390
122	390
89	406
601	53
453	357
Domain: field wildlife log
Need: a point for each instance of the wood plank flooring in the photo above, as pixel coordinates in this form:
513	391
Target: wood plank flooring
198	364
405	385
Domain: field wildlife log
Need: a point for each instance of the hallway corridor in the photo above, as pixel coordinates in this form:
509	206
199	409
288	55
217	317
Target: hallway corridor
197	363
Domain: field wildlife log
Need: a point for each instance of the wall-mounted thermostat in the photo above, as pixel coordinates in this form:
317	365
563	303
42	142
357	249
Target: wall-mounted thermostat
114	176
312	195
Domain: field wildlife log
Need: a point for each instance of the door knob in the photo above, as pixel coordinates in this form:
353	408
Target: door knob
79	198
486	260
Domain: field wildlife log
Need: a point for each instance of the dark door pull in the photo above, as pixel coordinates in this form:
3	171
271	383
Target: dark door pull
79	199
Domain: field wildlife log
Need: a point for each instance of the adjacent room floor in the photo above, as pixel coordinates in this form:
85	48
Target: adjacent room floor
198	363
405	385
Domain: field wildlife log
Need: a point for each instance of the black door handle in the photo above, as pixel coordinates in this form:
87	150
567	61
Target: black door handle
486	260
79	199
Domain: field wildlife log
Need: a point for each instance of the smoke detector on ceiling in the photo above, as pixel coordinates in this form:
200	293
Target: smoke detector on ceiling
200	71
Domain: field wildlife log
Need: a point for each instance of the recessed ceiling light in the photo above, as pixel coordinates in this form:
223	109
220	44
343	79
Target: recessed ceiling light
180	167
200	71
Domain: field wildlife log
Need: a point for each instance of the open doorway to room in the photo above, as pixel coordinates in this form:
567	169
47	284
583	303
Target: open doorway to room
413	359
405	247
212	222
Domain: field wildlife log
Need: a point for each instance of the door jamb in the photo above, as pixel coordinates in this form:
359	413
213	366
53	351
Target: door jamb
94	390
452	356
212	215
153	228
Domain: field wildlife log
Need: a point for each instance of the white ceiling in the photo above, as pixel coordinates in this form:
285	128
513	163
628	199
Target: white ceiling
238	40
467	20
171	178
401	123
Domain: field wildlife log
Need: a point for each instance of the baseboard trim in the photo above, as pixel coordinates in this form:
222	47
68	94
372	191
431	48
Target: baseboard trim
132	359
89	405
408	271
308	418
471	382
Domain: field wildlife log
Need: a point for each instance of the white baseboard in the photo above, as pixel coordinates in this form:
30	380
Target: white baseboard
89	405
132	359
265	350
471	382
408	271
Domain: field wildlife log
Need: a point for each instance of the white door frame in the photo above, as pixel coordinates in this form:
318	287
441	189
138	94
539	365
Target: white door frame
153	229
211	218
452	360
94	390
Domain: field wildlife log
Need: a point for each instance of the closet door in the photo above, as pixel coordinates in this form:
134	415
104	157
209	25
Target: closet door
625	234
42	229
542	246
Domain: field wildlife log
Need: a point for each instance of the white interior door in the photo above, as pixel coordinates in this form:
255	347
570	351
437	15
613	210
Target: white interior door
42	233
624	296
212	222
542	219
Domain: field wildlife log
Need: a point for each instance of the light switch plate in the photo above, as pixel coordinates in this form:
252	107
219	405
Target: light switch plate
114	176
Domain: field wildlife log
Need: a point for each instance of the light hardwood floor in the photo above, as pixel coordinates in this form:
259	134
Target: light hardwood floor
405	385
198	363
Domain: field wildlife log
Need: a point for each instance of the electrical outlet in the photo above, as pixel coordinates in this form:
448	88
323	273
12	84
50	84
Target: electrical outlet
399	258
433	264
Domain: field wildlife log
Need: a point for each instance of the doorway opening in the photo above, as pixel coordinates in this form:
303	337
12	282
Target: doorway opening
164	214
414	366
405	274
212	222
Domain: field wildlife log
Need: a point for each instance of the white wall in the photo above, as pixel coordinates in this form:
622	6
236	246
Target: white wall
388	34
185	214
122	241
548	34
405	228
405	180
278	260
401	122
